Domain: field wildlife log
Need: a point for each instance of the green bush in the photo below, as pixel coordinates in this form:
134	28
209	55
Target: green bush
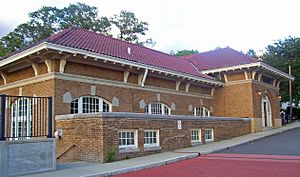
111	155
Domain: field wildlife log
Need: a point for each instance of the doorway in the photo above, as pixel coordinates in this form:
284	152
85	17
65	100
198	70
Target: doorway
266	112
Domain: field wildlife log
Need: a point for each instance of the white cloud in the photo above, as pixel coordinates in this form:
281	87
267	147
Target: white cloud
191	24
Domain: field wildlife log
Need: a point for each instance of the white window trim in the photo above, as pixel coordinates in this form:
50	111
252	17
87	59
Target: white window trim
135	139
212	135
199	134
15	120
203	110
101	100
162	108
157	144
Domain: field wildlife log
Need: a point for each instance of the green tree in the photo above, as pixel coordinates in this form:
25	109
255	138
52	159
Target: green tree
49	20
130	27
184	52
281	54
252	53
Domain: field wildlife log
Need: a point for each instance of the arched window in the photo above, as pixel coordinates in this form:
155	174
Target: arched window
157	108
21	118
89	104
201	111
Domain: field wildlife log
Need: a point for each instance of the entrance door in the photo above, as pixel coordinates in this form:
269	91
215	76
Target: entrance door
266	112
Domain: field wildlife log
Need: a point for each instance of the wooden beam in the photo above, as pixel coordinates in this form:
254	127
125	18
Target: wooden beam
126	75
178	85
35	67
212	91
253	74
62	64
48	63
144	78
259	77
225	78
187	87
278	83
274	82
246	75
4	77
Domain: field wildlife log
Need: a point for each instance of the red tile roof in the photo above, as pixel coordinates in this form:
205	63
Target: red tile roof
79	38
223	57
90	41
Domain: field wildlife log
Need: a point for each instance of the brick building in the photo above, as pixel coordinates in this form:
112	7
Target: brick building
114	99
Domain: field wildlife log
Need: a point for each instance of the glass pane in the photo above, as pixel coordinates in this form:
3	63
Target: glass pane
131	141
105	107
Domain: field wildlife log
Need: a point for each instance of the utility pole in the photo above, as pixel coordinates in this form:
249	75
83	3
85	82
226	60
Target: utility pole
290	84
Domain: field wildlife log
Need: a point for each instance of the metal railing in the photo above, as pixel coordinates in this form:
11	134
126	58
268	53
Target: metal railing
25	117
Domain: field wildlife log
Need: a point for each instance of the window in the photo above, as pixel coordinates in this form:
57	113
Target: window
201	111
151	138
209	135
196	135
88	104
21	118
127	138
157	108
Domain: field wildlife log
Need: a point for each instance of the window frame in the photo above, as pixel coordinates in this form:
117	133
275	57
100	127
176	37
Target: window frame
163	107
212	135
135	133
202	111
199	136
157	144
21	119
78	104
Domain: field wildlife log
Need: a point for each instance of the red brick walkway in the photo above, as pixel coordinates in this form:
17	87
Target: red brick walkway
227	165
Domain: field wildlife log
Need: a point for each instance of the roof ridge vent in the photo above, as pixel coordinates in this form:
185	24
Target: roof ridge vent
129	50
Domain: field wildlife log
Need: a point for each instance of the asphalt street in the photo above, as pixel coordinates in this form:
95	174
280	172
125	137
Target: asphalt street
276	155
287	143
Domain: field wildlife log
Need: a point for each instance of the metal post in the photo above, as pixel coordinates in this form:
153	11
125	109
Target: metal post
49	117
2	123
290	85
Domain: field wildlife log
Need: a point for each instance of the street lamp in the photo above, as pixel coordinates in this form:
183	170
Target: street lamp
290	85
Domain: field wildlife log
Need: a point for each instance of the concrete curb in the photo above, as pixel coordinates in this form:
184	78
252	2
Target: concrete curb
144	166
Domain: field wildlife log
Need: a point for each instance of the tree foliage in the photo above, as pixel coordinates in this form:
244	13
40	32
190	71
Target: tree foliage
281	54
184	52
48	20
252	53
130	27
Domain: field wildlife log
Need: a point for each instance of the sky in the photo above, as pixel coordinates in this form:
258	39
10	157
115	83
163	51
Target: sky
190	24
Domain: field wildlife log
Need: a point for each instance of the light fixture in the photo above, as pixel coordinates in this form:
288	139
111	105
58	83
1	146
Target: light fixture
279	97
258	92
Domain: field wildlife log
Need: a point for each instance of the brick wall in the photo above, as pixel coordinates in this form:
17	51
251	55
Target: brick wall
96	134
242	100
272	93
129	99
233	101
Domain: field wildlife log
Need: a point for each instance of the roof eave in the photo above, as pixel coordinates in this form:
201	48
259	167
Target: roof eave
22	54
250	65
60	48
130	63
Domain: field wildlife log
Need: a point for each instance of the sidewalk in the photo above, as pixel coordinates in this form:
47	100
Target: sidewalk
89	169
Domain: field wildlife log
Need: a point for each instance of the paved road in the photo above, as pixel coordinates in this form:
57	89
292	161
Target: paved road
277	155
287	143
218	165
